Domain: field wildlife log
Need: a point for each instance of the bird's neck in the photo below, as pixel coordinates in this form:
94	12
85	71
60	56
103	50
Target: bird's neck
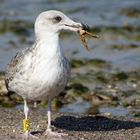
48	45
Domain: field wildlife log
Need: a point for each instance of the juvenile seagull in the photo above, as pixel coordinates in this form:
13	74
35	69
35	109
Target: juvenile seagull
42	71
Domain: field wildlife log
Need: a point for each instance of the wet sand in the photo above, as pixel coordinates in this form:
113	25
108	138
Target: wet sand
78	127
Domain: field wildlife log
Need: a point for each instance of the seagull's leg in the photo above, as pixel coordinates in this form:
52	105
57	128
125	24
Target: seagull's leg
35	104
49	115
26	122
49	130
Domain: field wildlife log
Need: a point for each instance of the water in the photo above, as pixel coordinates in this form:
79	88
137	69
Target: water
76	107
82	107
92	12
115	111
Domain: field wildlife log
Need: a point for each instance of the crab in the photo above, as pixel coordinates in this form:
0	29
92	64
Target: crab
83	34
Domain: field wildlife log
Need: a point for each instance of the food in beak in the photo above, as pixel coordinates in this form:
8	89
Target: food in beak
83	34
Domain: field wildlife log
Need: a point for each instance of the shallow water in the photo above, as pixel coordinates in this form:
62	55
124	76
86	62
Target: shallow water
76	107
115	111
92	12
82	107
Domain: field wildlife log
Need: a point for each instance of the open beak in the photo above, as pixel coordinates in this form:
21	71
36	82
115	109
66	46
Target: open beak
78	26
85	27
74	26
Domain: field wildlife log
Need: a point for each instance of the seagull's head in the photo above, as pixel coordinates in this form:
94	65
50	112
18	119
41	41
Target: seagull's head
54	22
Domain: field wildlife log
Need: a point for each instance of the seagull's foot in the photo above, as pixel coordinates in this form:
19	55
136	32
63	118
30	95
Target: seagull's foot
28	135
49	132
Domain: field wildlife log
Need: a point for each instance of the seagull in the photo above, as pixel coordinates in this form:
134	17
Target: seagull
42	71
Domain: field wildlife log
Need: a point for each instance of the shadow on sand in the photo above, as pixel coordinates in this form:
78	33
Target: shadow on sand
97	123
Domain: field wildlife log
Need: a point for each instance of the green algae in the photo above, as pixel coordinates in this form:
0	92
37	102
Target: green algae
100	76
56	103
90	77
98	63
82	78
78	88
6	102
17	27
77	63
136	37
131	12
122	30
120	76
2	73
124	47
91	62
16	98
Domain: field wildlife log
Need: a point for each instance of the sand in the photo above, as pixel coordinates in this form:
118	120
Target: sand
77	127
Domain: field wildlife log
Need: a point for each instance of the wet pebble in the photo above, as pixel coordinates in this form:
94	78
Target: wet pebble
3	89
17	98
6	102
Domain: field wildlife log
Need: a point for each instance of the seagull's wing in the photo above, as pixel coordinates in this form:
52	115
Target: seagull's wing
14	67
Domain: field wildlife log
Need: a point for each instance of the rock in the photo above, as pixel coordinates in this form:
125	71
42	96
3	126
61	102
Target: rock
107	114
124	47
77	63
103	98
78	89
56	103
120	76
6	102
15	97
93	110
99	63
3	89
100	76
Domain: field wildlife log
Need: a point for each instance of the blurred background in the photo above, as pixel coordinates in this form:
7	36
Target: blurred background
103	81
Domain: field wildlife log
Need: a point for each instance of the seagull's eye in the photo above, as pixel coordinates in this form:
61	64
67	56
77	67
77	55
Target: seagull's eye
58	18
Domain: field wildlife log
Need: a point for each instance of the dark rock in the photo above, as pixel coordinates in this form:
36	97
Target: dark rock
6	102
78	88
120	76
16	98
77	63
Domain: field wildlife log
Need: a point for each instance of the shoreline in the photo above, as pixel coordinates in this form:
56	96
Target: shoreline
78	127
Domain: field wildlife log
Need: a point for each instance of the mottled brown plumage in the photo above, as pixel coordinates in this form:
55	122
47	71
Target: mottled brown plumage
14	67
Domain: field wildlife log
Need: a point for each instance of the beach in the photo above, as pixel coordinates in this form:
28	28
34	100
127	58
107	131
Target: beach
78	127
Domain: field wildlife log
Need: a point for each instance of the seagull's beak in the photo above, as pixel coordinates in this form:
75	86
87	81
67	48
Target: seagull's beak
74	26
85	27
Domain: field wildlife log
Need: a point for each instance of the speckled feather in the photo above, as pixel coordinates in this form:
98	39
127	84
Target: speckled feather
15	65
20	76
42	71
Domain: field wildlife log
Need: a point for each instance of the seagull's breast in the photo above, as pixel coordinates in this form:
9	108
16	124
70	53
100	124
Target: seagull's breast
49	77
46	74
51	70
